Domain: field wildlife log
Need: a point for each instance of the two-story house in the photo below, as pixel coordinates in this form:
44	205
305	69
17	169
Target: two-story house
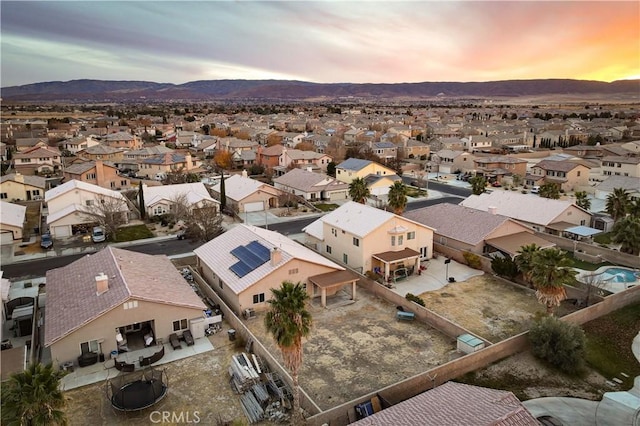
353	168
566	174
102	152
628	165
76	144
157	167
12	222
101	173
369	239
38	160
18	187
497	166
474	143
122	140
295	158
450	161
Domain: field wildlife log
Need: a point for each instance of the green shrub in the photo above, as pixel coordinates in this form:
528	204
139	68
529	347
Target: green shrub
413	298
560	344
473	260
505	267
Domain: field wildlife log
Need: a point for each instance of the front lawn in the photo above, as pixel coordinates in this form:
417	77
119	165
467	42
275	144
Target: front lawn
415	192
131	233
609	341
326	207
603	238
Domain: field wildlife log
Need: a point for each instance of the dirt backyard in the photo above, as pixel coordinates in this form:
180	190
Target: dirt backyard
361	347
487	307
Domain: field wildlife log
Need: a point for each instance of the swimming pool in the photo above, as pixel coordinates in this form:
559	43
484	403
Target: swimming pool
619	275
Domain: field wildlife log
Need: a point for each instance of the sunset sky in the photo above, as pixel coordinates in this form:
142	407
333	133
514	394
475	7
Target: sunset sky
324	42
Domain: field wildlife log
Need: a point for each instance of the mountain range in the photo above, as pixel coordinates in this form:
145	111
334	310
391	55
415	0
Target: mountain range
272	90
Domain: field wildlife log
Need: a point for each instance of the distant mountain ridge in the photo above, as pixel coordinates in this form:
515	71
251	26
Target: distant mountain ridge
96	90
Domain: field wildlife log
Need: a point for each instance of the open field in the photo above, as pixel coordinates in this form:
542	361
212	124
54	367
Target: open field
357	348
486	306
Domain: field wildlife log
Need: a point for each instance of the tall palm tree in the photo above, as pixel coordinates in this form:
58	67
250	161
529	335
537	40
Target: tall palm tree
582	200
289	321
524	260
550	271
359	191
617	203
397	197
634	207
627	232
33	397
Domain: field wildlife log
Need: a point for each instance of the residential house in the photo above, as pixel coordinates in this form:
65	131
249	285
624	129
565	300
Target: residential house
412	148
38	160
12	222
160	200
101	173
386	151
369	239
380	185
72	207
312	186
473	143
628	165
24	144
476	231
18	187
243	159
455	404
291	158
585	151
102	152
123	140
158	166
353	168
246	195
628	183
449	161
245	263
207	148
498	166
76	144
539	213
232	145
116	300
132	159
567	174
269	157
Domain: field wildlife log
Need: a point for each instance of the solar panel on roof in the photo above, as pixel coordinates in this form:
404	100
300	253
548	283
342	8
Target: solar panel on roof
261	251
249	257
240	269
246	256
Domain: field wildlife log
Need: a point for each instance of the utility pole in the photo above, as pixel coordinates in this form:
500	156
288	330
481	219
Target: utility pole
447	262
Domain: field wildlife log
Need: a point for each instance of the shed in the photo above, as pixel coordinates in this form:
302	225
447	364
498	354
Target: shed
468	343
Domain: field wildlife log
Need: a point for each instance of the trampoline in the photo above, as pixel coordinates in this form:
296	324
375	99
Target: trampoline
133	392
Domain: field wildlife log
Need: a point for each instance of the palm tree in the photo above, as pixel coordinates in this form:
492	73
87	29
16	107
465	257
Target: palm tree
524	260
289	321
397	197
634	207
550	190
627	232
617	204
33	397
582	200
359	191
478	184
550	271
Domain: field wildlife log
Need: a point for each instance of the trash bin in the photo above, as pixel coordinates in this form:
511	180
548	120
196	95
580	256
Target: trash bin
114	354
232	335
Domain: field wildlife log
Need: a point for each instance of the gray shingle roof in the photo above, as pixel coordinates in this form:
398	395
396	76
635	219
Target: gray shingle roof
72	300
354	164
306	181
36	181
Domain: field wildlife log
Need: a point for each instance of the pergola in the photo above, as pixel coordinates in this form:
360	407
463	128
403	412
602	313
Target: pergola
331	282
393	258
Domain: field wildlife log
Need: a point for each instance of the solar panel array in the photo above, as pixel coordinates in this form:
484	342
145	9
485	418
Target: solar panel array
249	257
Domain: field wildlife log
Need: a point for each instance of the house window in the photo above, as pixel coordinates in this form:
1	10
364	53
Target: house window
400	239
91	176
35	192
89	202
578	173
334	232
3	196
258	298
329	249
345	258
180	325
90	346
356	242
130	305
393	240
293	271
411	235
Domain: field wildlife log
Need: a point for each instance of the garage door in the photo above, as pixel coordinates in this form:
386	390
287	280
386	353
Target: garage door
380	191
7	238
254	207
338	196
61	231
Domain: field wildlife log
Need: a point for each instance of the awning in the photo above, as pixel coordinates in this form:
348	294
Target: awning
560	226
583	231
511	244
394	256
335	278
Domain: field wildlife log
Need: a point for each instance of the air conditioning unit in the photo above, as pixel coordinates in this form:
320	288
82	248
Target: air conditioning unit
249	313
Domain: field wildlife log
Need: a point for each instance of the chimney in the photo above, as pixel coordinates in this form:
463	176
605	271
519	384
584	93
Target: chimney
99	172
102	283
276	256
244	173
19	177
492	210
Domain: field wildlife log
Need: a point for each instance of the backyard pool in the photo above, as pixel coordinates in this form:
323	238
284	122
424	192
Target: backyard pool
612	279
619	275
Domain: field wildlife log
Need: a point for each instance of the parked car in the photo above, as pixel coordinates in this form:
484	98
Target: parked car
182	234
45	241
98	235
496	184
535	189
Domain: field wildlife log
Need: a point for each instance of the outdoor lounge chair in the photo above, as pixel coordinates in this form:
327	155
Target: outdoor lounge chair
175	342
188	337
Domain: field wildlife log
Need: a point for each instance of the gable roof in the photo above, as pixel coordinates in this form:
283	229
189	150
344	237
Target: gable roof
37	181
85	166
166	159
629	183
12	214
304	180
194	193
216	254
84	186
100	149
38	152
457	222
71	290
238	187
373	178
454	404
354	164
560	165
524	207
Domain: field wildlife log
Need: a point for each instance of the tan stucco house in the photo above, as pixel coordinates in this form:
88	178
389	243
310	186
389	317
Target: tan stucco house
12	223
567	174
115	300
160	200
353	168
369	239
104	174
19	187
248	195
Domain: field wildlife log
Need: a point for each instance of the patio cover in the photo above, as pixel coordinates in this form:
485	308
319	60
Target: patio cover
560	226
511	244
334	279
394	256
583	231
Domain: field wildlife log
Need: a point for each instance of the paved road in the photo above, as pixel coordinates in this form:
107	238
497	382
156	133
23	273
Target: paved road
39	267
441	187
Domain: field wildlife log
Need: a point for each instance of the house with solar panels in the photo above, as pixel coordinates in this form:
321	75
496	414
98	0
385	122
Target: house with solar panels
246	262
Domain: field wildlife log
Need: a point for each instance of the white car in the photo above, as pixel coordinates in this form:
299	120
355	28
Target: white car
98	235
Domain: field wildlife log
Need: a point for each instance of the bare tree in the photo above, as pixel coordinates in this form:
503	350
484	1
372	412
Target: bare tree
594	285
108	212
203	224
180	207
